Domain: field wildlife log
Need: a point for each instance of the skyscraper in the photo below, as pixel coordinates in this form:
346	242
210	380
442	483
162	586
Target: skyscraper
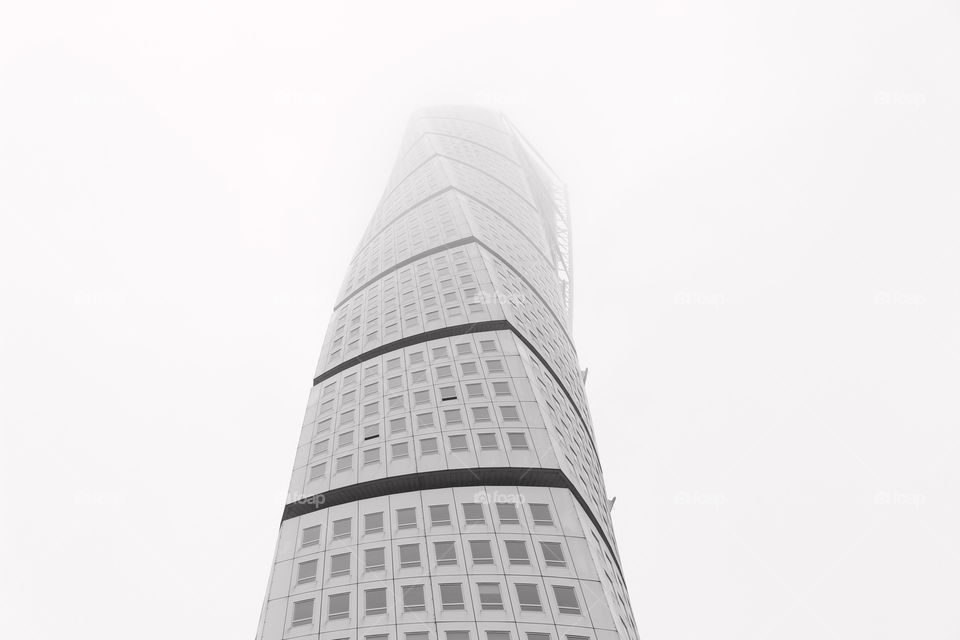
446	483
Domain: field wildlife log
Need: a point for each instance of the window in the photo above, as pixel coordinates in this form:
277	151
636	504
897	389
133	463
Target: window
324	425
371	431
458	443
338	606
396	403
398	425
307	571
570	636
474	390
518	441
321	448
421	397
375	601
371	410
553	554
371	389
416	635
302	612
439	514
451	597
468	368
536	635
566	599
501	389
318	470
373	559
452	416
345	439
424	420
345	463
498	635
541	514
418	377
413	598
348	398
473	513
371	456
428	446
458	635
488	346
448	393
490	598
481	414
416	357
342	528
339	564
346	418
409	555
446	552
529	597
481	551
407	518
488	441
517	552
439	352
371	371
394	382
311	536
444	372
494	366
464	349
373	522
509	413
393	364
399	450
507	512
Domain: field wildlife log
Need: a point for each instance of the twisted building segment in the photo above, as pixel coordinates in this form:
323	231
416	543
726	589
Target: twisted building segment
446	483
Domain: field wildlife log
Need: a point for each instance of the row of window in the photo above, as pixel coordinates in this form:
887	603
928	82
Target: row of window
445	552
413	599
424	398
406	518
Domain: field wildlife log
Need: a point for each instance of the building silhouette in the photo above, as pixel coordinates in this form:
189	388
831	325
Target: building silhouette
446	483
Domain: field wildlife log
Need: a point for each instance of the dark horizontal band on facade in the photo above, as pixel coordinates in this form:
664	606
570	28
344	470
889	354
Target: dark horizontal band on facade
447	479
449	332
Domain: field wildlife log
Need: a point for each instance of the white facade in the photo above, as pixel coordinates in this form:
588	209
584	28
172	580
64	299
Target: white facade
446	481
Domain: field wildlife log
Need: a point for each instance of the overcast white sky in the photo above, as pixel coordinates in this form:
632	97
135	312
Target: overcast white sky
765	202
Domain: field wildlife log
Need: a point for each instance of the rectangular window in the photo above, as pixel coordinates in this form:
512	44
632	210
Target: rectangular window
488	346
407	518
371	431
348	398
509	413
373	522
494	366
501	389
396	403
473	513
373	559
375	601
345	439
451	597
345	463
302	612
416	357
371	389
409	555
541	514
481	551
338	606
452	417
371	456
566	599
536	635
307	571
458	443
481	414
444	372
311	536
339	564
421	397
318	470
428	446
399	450
475	390
488	441
321	448
498	635
416	635
464	349
458	635
393	364
529	597
439	515
424	420
468	368
324	425
395	382
371	410
446	552
553	554
518	441
517	552
342	528
507	512
490	598
398	425
413	599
